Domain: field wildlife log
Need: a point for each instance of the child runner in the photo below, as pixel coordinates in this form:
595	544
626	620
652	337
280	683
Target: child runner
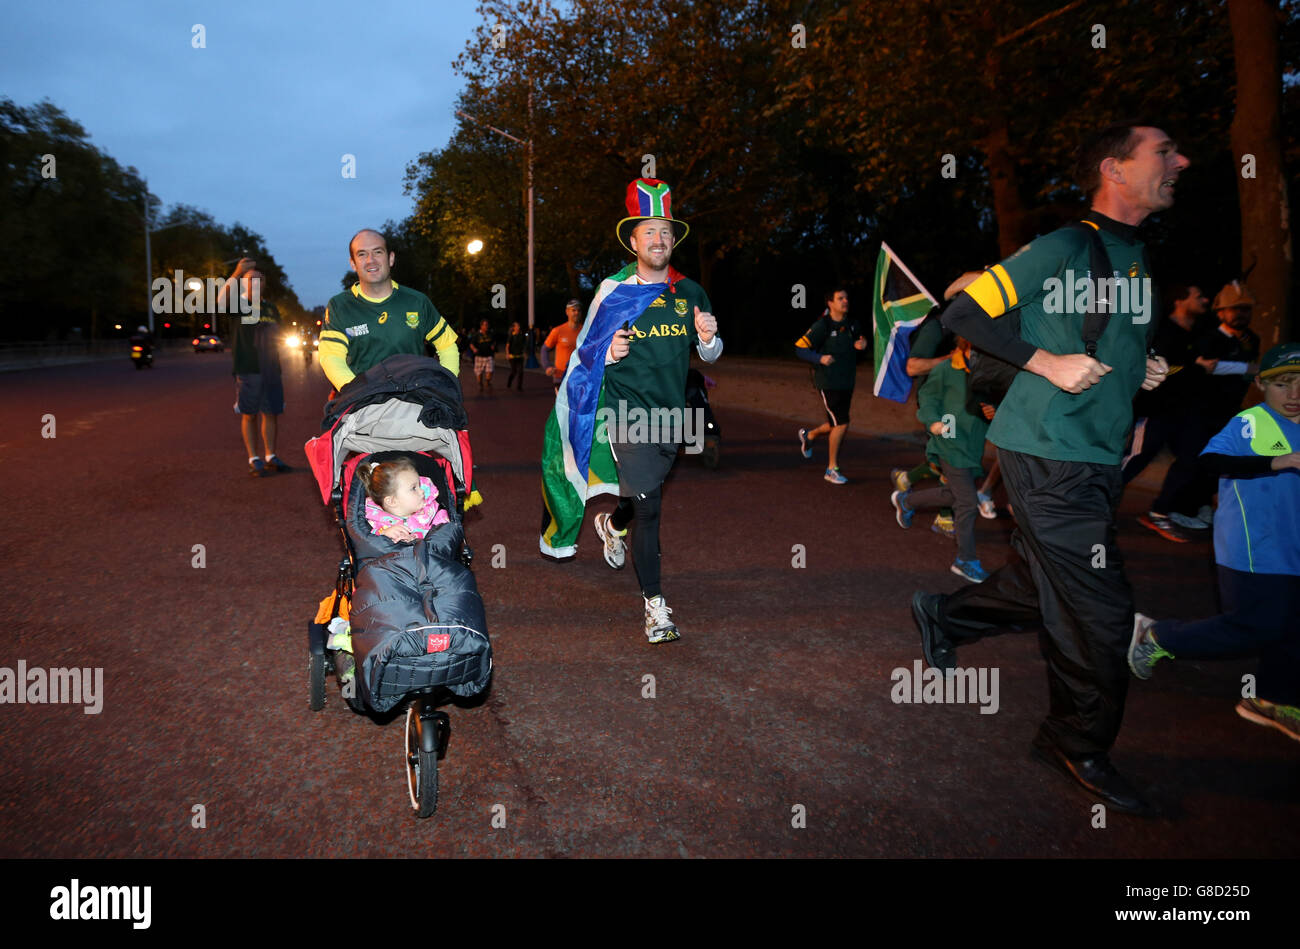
957	446
1257	548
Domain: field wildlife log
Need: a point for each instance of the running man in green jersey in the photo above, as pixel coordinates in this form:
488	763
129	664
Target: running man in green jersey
1060	433
377	318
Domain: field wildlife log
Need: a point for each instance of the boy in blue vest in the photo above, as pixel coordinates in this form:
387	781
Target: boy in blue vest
1257	548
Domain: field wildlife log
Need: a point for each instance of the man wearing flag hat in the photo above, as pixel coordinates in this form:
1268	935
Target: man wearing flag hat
629	367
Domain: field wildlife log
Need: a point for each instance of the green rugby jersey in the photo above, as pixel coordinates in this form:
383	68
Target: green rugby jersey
829	338
1036	418
653	373
363	332
255	344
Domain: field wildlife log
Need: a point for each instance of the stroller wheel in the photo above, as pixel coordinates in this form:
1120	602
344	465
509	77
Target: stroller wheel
317	679
421	767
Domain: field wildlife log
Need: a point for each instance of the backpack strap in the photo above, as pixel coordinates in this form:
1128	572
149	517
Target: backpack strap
1094	323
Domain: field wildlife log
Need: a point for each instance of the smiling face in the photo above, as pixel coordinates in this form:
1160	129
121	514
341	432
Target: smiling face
407	498
371	258
652	241
1145	180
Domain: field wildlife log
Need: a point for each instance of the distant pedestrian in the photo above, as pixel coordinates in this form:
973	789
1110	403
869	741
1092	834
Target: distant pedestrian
516	351
562	340
1234	349
831	345
484	347
1257	549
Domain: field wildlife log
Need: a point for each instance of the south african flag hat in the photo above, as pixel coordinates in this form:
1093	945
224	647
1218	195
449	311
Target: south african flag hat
649	199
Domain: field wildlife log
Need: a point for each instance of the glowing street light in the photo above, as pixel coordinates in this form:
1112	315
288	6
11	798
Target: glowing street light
474	246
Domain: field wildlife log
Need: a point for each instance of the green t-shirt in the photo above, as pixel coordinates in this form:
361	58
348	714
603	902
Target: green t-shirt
829	338
942	398
653	373
374	330
1035	417
256	343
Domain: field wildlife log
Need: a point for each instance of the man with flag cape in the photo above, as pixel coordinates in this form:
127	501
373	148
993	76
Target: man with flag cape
899	305
620	414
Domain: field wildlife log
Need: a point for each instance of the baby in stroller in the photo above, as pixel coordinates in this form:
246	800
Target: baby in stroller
401	505
416	618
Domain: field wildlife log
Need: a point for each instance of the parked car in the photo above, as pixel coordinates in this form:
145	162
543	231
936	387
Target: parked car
208	344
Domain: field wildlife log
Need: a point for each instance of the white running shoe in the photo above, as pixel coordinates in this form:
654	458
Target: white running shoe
1191	523
658	627
615	550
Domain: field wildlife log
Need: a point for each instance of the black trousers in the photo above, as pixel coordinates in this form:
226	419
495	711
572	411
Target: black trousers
516	369
1261	617
1186	487
1065	577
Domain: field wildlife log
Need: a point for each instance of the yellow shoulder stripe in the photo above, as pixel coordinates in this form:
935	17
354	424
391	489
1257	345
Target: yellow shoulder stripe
804	343
334	335
984	290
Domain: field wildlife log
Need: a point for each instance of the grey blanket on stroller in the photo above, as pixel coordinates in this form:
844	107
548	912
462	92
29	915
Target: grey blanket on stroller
417	617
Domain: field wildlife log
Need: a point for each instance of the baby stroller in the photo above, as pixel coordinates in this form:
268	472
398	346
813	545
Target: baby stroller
418	630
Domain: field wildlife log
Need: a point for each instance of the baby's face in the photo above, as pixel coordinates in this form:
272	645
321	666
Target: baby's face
407	498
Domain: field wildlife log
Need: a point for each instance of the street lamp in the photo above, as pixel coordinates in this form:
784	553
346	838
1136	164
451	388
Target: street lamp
532	358
474	246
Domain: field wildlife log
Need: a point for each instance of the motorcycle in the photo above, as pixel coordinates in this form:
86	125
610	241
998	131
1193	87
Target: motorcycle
141	353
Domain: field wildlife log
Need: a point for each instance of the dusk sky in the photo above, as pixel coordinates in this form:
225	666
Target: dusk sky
253	128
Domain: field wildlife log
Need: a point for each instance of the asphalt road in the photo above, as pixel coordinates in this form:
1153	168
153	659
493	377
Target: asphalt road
774	710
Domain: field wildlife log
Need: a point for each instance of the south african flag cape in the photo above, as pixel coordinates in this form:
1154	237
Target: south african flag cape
577	463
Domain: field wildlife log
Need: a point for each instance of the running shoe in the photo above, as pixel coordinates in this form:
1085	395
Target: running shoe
257	468
275	464
1163	526
970	570
615	551
987	509
901	482
834	477
903	513
1144	652
1206	514
658	627
803	443
944	525
1191	523
1285	718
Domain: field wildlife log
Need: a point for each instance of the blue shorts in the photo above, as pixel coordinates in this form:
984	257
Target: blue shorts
259	394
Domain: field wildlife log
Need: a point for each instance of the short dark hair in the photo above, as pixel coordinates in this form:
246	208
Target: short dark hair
367	230
1114	141
830	294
